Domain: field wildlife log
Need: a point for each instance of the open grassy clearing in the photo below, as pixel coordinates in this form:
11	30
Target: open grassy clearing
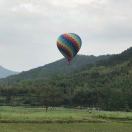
59	115
20	119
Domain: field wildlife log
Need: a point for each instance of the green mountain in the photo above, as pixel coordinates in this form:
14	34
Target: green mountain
105	83
118	58
5	72
60	67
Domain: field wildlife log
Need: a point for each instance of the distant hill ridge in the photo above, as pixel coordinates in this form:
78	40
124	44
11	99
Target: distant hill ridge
61	67
56	68
5	72
118	58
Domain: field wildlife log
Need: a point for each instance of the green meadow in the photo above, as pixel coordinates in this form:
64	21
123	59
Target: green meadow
59	115
65	127
20	119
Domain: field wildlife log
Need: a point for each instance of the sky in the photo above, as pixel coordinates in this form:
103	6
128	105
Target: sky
29	29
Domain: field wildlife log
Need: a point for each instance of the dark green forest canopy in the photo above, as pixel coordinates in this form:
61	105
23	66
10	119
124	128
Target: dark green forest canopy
104	82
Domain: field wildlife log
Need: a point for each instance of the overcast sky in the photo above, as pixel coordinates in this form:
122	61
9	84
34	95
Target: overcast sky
29	29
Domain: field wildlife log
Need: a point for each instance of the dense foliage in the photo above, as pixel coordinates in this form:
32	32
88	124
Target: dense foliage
106	84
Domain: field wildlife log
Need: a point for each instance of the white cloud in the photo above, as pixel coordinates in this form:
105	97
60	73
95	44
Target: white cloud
28	7
29	28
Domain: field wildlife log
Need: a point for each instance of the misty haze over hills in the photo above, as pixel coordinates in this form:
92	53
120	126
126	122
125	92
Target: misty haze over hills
5	72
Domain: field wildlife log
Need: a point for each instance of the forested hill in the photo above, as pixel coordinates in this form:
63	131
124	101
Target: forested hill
60	67
104	84
118	58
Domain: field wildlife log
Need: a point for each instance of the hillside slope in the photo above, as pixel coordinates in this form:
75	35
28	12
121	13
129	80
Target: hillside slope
56	68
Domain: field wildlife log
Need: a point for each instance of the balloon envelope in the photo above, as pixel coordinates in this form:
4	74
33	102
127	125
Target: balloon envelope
69	44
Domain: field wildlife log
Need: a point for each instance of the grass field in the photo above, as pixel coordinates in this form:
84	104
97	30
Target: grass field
59	115
20	119
74	127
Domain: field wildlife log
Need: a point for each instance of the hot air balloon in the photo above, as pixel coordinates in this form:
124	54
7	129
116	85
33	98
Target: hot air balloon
69	44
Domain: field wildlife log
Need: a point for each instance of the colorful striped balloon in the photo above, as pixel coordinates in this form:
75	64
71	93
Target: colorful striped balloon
69	44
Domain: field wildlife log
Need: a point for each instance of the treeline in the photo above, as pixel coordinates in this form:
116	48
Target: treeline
106	85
